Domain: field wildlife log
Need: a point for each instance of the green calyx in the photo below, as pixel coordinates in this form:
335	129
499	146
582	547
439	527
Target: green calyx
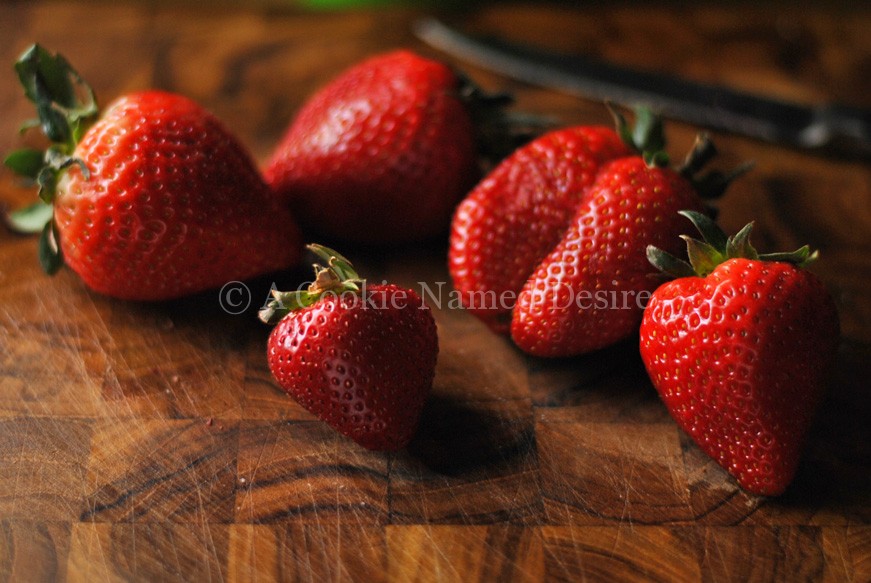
716	247
336	277
647	137
713	183
499	132
66	108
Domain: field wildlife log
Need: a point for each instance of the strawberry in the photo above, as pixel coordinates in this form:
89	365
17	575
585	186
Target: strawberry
361	358
383	153
739	348
589	292
153	200
567	228
518	213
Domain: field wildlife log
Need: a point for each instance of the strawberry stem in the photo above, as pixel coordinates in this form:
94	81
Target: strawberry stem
336	277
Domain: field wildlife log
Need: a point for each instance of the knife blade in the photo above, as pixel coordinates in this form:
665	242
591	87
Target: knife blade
828	128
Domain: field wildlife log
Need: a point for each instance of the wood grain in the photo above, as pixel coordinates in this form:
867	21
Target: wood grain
150	443
452	553
44	464
38	549
159	470
303	472
307	552
148	552
630	473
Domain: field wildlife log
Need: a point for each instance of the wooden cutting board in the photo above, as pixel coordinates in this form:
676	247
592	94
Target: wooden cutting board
148	442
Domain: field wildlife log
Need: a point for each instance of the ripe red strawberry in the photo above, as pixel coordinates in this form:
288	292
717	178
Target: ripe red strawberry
739	348
519	212
361	358
383	153
589	292
154	200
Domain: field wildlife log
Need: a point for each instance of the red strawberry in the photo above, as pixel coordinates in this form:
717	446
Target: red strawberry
155	200
361	358
739	348
589	292
383	153
519	212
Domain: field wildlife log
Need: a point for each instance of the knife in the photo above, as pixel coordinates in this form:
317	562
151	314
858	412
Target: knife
824	128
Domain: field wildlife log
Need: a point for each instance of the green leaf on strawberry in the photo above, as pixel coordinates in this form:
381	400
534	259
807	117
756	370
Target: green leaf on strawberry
715	248
25	162
647	137
66	107
50	254
30	219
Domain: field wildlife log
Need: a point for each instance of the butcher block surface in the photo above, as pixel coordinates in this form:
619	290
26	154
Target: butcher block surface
148	441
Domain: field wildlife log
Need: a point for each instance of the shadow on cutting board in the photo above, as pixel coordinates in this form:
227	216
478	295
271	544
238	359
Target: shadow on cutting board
458	439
